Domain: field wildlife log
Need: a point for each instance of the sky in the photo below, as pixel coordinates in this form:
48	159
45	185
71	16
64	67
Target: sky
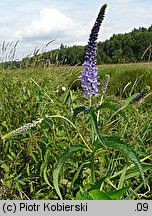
36	22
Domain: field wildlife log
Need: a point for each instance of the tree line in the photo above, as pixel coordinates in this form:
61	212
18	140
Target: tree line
135	46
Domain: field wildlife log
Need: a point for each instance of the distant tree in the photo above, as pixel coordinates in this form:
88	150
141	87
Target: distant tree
150	28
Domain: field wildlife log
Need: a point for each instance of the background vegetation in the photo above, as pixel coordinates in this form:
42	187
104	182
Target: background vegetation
135	46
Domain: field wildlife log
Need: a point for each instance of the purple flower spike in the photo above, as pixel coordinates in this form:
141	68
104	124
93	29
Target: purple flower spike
89	76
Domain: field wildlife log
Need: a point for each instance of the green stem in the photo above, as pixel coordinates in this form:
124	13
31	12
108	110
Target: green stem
99	110
90	101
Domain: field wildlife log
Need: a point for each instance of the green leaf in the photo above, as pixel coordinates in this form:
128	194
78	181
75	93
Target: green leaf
114	195
60	163
98	195
95	125
46	177
117	143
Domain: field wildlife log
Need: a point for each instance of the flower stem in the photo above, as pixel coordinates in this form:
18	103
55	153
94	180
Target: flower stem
98	113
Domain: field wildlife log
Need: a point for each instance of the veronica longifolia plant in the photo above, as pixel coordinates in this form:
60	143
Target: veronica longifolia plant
89	83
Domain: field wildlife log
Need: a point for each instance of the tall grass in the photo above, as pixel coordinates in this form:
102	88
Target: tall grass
8	50
27	161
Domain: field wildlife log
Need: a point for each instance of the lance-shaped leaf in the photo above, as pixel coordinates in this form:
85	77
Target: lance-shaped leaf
108	105
60	163
112	195
120	145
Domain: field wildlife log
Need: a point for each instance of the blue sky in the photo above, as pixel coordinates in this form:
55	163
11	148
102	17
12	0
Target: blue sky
35	22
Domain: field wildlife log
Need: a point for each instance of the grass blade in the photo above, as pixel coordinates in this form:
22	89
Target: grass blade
122	178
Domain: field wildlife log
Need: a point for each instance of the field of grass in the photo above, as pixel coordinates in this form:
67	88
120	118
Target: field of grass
34	165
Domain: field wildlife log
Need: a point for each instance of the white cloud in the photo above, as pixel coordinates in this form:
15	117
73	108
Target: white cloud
51	24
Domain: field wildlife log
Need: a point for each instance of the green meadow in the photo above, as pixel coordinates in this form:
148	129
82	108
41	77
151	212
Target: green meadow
36	165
